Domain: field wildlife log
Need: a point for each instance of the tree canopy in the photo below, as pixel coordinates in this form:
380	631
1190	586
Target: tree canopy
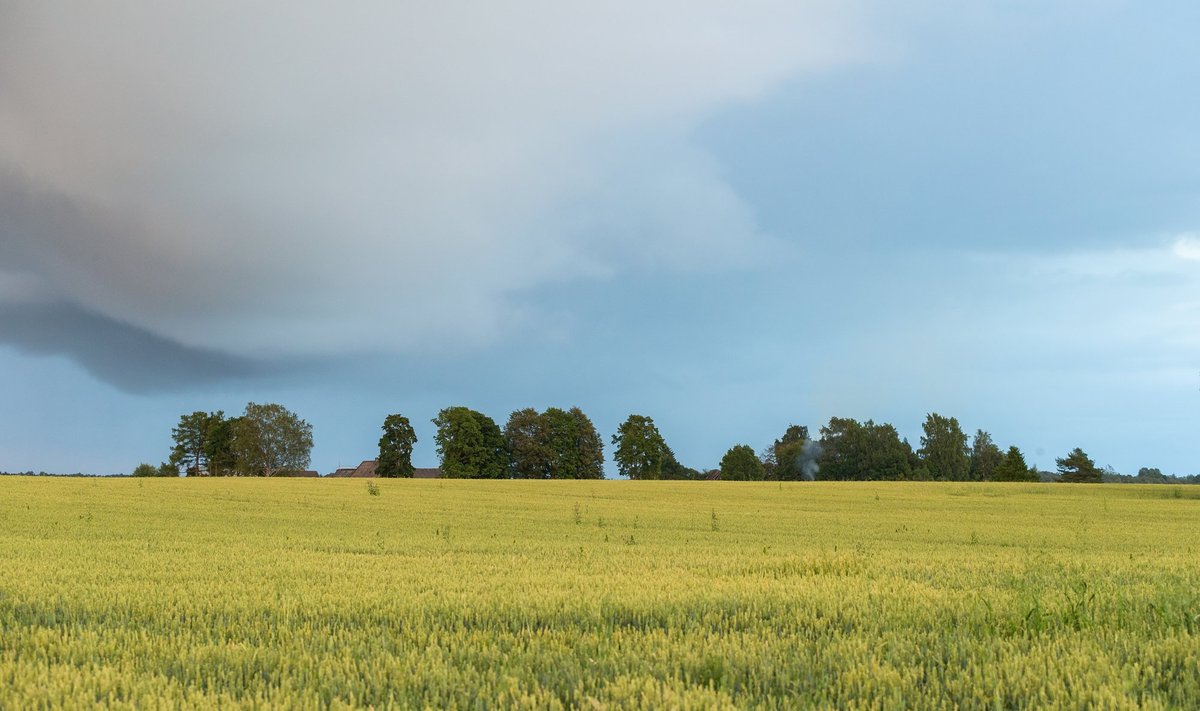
555	444
269	439
791	457
1012	467
193	441
577	447
740	463
863	451
1078	468
470	445
944	449
164	469
395	447
641	452
985	457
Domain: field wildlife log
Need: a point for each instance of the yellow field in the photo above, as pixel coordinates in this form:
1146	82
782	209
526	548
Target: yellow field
484	594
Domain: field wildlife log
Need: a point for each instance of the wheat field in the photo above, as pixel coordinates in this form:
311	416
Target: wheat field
313	594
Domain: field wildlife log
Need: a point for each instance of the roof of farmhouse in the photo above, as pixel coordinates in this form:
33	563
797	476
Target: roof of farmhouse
368	469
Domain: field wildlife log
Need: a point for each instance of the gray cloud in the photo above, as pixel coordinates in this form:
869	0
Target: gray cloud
128	357
285	180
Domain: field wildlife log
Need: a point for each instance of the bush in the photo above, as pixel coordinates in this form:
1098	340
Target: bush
145	469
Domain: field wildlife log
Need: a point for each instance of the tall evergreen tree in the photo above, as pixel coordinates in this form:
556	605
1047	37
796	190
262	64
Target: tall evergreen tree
1012	467
194	443
222	459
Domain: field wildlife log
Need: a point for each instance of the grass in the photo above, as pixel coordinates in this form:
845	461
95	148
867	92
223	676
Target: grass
482	594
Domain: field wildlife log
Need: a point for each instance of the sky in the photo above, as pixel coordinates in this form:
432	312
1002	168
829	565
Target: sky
729	217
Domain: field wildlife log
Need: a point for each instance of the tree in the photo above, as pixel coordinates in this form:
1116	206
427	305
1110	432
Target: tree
395	447
793	434
985	457
204	444
144	469
471	445
1077	468
1012	467
269	438
192	444
575	448
944	449
587	461
222	461
529	445
673	470
852	450
556	444
641	452
1151	475
791	457
740	463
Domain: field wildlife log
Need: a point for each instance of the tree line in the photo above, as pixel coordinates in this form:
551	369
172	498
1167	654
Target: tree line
265	440
269	440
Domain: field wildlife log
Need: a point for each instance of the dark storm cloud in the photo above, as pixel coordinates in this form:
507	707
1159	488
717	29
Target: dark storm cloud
128	357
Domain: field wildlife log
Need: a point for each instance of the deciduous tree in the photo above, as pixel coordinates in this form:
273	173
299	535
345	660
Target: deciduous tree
672	469
471	445
862	451
575	447
269	438
787	459
588	459
944	449
985	457
740	463
641	452
1151	475
145	469
528	436
395	447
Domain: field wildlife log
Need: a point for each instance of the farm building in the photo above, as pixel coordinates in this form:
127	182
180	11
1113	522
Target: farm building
366	470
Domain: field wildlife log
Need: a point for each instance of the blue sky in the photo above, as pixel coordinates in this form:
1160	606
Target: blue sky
727	219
